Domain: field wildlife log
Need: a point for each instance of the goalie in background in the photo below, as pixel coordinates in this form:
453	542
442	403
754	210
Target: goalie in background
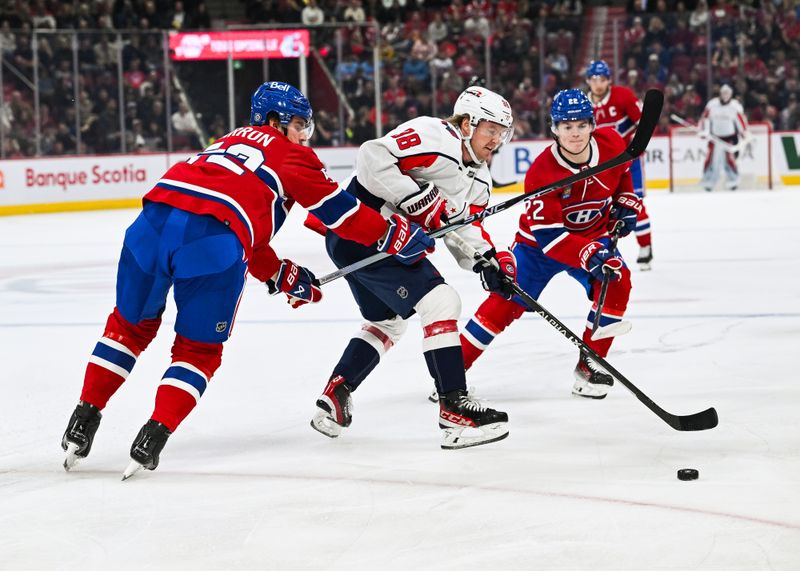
568	231
725	127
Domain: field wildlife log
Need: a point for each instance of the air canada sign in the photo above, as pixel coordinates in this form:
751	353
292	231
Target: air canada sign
240	44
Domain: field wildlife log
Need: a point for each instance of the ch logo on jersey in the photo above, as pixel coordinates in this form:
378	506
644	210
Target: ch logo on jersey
583	215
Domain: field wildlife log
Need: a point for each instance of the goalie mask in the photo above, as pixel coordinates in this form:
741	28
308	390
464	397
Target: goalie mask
284	100
482	104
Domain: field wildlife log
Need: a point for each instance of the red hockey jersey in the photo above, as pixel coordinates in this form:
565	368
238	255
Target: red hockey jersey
250	178
562	222
620	109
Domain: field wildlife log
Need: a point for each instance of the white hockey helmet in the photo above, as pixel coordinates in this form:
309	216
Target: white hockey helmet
482	104
725	92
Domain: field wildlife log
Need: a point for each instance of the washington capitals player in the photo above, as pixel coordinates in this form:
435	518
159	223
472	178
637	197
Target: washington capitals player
567	231
425	169
724	125
204	226
618	107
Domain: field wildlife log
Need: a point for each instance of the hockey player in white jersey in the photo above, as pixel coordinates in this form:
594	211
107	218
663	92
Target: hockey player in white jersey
724	125
428	171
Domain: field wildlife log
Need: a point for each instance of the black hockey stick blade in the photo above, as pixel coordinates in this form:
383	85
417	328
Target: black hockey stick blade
704	420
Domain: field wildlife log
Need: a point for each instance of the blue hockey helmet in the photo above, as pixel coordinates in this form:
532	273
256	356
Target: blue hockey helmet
598	67
283	99
570	105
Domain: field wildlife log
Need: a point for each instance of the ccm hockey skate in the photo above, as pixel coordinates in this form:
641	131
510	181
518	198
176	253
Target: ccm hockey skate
466	422
591	380
78	438
334	408
147	447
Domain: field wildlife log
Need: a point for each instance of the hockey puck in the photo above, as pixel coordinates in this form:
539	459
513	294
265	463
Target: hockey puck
686	474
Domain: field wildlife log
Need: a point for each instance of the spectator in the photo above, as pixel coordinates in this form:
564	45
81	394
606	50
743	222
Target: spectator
184	126
354	12
312	15
437	29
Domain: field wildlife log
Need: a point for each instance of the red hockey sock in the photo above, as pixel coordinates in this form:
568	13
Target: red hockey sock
600	346
491	319
185	381
114	356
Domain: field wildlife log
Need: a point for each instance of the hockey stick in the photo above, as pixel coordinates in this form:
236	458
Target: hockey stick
724	144
704	420
651	111
597	332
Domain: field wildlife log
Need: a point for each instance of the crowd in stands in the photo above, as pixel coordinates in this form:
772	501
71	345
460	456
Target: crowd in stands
430	49
100	29
753	46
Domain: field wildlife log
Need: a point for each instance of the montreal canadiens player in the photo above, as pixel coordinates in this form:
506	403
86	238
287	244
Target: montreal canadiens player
426	170
724	125
204	226
568	231
617	106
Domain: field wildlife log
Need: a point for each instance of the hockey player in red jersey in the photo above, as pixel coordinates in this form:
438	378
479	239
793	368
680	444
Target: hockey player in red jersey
568	231
204	226
618	107
425	169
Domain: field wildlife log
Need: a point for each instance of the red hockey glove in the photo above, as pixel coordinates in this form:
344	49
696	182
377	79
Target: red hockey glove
297	282
597	259
498	278
626	208
405	241
428	208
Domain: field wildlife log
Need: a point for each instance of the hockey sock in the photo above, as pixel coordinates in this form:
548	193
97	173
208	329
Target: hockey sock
492	317
612	311
643	236
185	381
114	356
443	355
357	361
366	348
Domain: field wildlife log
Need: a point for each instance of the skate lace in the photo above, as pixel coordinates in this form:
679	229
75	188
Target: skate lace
594	367
471	403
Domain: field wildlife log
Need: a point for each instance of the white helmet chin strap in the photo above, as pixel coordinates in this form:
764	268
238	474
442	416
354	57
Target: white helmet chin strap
468	142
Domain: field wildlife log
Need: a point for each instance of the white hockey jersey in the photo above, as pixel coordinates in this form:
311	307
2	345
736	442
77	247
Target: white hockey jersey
724	119
424	150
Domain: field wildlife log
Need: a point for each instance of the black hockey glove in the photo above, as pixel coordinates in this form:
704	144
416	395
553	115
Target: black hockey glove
498	273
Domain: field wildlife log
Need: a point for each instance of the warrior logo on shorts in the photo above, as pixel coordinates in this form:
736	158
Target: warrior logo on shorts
402	292
221	326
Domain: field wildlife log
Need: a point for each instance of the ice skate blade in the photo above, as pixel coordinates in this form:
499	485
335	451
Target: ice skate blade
434	396
132	469
72	456
645	267
455	439
324	424
613	330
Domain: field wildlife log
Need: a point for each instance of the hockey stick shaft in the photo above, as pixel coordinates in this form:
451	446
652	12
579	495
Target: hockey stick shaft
704	420
601	300
651	110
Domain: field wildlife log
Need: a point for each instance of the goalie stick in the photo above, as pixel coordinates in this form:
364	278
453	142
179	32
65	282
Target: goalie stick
704	420
651	111
724	144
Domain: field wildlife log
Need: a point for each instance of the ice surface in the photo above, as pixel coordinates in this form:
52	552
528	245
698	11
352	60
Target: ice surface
245	483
